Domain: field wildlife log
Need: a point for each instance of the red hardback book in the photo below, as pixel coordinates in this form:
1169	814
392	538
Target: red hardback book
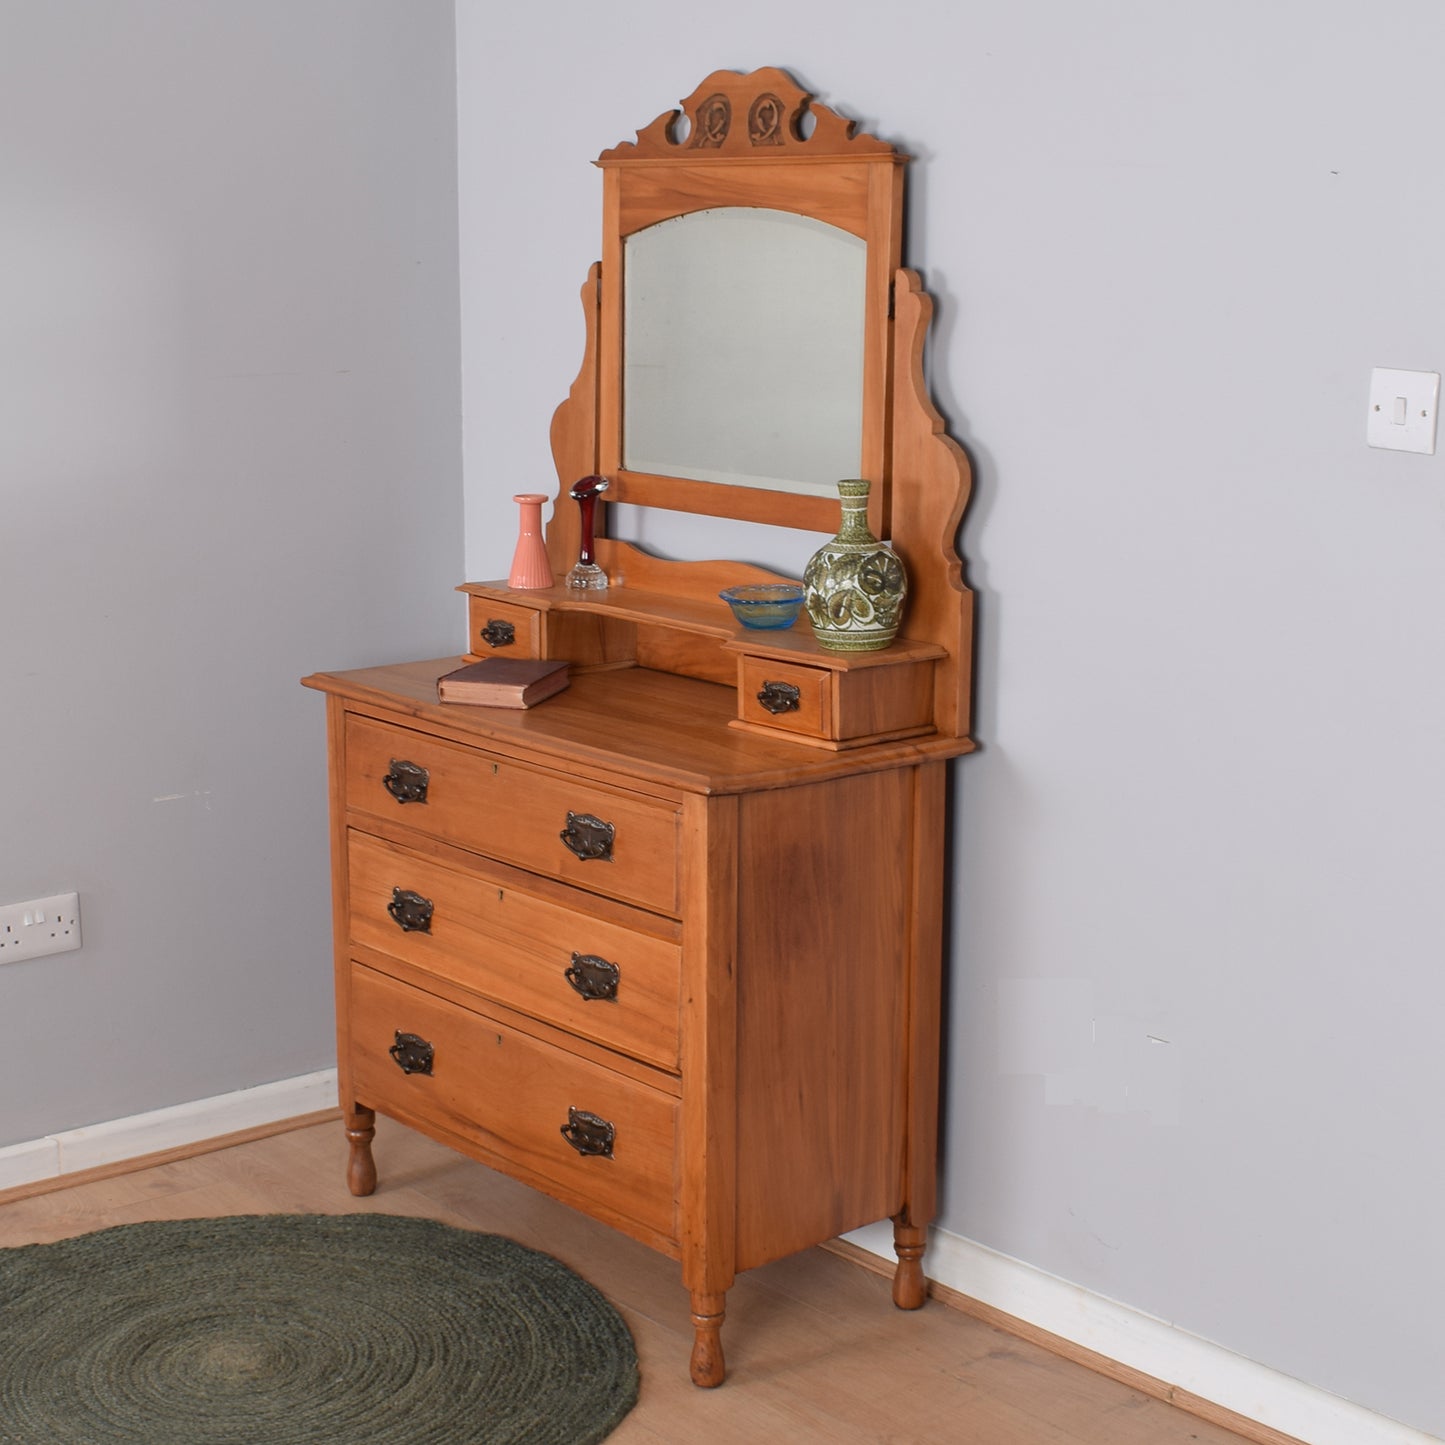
503	682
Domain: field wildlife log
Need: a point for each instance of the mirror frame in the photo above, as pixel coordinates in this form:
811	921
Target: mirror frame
738	141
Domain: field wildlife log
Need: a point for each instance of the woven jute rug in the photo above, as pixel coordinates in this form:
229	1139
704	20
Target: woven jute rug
304	1330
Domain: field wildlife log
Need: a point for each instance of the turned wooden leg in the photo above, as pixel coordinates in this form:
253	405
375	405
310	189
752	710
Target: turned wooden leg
708	1368
910	1289
361	1168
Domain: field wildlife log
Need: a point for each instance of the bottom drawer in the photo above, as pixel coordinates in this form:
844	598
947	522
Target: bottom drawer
520	1099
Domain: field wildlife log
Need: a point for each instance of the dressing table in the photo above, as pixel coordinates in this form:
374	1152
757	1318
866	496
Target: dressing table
657	946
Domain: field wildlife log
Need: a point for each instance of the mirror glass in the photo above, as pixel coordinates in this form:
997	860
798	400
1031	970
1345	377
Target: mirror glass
743	350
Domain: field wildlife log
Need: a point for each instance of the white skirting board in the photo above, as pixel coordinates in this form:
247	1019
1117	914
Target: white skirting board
172	1128
1153	1346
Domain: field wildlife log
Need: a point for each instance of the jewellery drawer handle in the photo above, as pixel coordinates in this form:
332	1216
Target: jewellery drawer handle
498	633
406	782
411	911
588	1133
588	837
779	697
593	977
412	1053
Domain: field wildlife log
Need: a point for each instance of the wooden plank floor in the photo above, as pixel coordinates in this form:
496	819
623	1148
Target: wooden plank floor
815	1350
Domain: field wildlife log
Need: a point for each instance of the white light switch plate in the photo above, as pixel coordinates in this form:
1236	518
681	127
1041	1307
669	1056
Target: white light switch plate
1403	407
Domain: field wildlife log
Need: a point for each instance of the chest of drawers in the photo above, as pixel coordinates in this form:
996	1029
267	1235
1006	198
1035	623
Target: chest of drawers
679	976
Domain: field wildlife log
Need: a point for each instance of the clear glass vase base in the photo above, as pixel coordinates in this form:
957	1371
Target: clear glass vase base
587	577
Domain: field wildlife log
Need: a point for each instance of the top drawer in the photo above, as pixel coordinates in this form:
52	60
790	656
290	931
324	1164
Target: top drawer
601	839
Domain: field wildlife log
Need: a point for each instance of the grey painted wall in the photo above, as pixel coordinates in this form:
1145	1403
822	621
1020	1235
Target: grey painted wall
1197	922
229	455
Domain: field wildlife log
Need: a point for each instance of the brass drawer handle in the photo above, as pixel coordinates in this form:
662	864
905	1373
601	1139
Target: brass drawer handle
588	837
588	1134
411	911
498	633
406	782
412	1053
779	697
593	977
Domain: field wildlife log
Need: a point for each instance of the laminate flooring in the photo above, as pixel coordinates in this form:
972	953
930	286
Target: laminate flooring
815	1350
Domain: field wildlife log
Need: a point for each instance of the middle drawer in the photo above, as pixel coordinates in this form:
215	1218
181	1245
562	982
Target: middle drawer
584	974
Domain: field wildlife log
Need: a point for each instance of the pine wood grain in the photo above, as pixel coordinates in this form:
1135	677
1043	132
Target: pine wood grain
466	786
505	1095
822	1063
514	946
656	729
823	1359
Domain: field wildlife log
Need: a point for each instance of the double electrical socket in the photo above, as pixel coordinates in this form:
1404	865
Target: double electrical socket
44	925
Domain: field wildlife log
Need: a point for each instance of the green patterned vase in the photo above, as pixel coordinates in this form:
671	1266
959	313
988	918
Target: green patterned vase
854	586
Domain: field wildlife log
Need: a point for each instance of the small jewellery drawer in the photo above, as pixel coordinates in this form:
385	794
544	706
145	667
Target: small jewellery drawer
786	695
587	975
548	1113
601	839
502	628
840	706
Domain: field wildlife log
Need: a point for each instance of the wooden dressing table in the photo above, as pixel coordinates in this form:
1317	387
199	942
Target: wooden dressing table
656	949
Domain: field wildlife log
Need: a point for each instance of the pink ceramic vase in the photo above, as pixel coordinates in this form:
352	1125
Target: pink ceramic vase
530	567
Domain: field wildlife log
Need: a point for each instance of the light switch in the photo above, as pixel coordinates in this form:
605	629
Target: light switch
1403	407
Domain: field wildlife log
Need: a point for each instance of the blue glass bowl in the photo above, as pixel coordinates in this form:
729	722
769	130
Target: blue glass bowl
769	605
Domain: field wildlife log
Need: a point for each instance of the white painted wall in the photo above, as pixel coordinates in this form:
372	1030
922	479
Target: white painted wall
1197	925
229	456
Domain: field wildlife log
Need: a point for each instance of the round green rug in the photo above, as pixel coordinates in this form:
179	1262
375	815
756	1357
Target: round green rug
304	1330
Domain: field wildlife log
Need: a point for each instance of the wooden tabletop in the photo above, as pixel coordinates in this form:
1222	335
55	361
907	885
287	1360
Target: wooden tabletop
634	721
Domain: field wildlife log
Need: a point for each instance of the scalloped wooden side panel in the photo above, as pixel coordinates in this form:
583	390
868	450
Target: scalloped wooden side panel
931	483
574	436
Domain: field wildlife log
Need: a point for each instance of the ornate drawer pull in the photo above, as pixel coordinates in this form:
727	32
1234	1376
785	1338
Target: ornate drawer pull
498	633
412	1053
406	782
588	837
411	911
587	1133
593	977
779	697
